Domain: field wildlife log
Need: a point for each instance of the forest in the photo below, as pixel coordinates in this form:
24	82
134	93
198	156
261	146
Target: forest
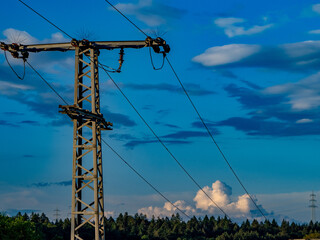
38	227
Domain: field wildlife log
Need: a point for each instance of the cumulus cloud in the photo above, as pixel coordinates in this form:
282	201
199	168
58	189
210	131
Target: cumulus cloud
221	194
232	28
300	56
150	12
167	209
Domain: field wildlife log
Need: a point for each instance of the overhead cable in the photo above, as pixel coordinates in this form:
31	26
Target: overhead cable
45	19
214	141
126	18
49	85
162	143
198	115
113	150
24	67
145	179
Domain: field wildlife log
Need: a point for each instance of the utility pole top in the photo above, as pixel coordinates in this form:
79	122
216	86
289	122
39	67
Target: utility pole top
15	48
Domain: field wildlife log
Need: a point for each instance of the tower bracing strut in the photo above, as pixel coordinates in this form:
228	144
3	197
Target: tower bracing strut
87	203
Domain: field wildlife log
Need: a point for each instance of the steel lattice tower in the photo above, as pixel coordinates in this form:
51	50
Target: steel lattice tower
87	206
313	206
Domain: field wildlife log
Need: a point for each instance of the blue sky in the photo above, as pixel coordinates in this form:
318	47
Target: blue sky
251	68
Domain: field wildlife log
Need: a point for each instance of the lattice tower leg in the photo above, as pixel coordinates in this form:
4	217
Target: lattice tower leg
87	178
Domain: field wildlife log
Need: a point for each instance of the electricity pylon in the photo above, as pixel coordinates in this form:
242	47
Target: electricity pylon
87	204
313	206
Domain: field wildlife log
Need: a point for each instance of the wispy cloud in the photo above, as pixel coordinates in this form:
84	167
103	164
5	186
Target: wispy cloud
316	8
49	184
193	89
134	143
150	12
317	31
9	124
118	119
300	56
233	27
227	54
186	134
290	109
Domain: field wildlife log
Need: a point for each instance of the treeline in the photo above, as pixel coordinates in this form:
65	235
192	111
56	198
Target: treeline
39	227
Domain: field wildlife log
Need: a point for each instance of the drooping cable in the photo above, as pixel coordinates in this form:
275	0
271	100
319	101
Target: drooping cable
163	57
24	67
49	85
126	18
162	143
113	150
214	141
45	19
144	179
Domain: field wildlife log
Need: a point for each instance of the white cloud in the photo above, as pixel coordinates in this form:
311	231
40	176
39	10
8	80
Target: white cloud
167	210
220	193
314	31
301	49
7	88
298	56
316	8
22	37
151	20
231	27
221	55
302	95
51	62
150	12
304	120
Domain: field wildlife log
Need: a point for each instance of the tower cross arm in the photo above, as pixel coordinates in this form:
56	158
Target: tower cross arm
70	46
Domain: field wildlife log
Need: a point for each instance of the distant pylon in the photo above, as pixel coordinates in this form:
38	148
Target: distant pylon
313	206
56	214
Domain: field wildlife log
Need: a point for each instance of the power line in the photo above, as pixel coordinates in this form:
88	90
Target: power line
115	152
49	85
125	97
151	59
162	143
45	19
214	141
24	67
224	157
126	18
144	179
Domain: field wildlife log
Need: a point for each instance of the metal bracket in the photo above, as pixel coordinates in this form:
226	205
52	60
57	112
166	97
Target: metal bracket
75	112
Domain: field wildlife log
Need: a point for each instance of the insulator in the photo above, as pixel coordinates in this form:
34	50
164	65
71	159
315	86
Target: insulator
15	46
15	54
166	48
74	43
25	55
156	49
